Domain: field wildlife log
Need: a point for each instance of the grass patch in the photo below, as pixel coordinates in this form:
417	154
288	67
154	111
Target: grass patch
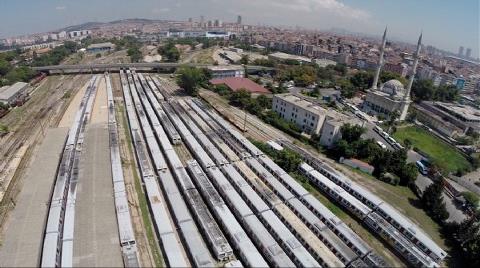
142	199
446	156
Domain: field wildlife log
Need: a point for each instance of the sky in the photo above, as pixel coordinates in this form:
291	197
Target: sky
446	24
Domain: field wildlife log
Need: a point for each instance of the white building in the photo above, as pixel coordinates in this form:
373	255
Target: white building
307	116
280	56
10	94
227	71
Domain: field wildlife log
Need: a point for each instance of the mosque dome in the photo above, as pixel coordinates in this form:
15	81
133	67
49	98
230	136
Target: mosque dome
394	88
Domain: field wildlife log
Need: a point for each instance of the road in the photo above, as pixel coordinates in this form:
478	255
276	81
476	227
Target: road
422	182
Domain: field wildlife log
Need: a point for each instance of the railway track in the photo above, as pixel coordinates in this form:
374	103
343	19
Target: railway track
58	240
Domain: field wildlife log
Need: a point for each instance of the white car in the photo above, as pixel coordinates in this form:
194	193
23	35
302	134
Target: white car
391	140
385	134
382	145
378	129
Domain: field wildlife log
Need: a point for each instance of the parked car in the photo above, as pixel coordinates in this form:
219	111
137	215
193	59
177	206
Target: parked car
381	144
422	166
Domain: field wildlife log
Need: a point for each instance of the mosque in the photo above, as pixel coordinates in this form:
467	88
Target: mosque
392	95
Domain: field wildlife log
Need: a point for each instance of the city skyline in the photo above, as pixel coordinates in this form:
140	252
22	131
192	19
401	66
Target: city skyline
442	27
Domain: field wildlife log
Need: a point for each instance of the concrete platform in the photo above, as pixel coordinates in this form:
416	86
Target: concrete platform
96	242
23	234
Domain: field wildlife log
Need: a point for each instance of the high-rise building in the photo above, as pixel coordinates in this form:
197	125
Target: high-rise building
190	20
468	54
239	19
460	51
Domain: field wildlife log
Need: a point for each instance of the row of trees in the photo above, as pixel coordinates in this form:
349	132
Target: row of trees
424	90
10	72
351	145
464	237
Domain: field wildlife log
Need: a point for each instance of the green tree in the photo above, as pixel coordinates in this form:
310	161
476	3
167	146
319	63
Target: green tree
4	67
351	133
408	174
190	78
98	55
264	102
362	80
432	201
240	98
244	59
468	239
423	90
135	54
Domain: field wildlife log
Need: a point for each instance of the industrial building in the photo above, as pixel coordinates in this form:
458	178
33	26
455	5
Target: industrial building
448	118
237	83
280	56
101	47
10	94
219	72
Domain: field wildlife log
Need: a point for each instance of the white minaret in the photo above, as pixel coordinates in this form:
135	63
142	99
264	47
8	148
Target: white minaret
380	60
406	98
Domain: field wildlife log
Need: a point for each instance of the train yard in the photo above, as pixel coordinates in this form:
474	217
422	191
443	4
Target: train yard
213	198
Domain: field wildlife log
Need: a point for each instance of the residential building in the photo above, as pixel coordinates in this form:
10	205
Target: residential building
308	116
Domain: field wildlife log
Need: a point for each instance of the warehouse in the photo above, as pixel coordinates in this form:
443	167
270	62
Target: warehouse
9	95
100	47
237	83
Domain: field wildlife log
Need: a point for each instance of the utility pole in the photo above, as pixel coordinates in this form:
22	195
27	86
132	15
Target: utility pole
245	121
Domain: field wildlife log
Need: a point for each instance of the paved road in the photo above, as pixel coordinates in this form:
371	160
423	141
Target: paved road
22	240
96	241
422	182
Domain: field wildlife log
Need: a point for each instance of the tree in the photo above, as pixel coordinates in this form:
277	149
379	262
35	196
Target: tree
351	133
4	67
135	54
244	59
264	102
432	201
172	54
392	120
362	80
408	143
240	98
408	174
468	238
98	55
189	78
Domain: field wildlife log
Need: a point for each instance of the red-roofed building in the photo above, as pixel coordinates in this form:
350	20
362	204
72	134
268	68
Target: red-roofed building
236	83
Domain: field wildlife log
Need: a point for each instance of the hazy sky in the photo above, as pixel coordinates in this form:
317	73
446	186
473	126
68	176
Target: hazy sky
446	23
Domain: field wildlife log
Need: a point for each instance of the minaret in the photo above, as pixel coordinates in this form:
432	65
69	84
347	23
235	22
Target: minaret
380	60
406	98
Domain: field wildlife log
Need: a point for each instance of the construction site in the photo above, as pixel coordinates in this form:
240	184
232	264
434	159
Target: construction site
122	169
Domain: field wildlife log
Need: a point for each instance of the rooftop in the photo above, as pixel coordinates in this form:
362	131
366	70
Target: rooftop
100	45
302	103
467	112
237	83
8	92
285	56
226	68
